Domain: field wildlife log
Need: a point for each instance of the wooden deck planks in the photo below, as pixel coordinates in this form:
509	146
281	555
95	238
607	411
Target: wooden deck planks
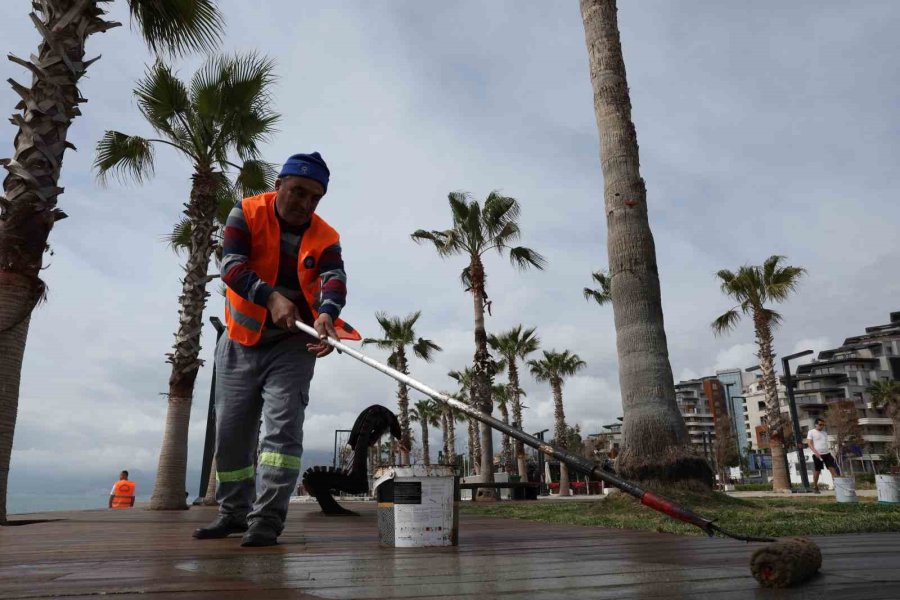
138	552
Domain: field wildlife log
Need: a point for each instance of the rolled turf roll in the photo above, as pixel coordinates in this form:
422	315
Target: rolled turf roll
787	562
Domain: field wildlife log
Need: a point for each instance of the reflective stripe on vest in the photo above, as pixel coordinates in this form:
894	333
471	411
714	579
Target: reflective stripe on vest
123	494
246	319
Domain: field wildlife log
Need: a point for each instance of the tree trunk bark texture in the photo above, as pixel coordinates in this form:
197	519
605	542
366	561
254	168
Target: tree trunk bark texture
774	420
505	445
516	396
169	490
403	408
655	442
16	294
28	207
450	454
482	381
210	498
560	434
425	449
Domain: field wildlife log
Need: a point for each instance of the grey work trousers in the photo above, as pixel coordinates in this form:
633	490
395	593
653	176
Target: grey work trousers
271	379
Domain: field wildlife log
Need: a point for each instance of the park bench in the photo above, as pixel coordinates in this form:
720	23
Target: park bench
521	490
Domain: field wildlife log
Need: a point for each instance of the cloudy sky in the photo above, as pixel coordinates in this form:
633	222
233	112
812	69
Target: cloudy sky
764	127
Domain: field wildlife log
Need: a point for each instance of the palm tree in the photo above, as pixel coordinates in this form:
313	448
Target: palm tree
753	287
476	232
601	294
28	207
555	367
886	395
398	335
656	445
512	345
427	413
466	378
501	395
220	116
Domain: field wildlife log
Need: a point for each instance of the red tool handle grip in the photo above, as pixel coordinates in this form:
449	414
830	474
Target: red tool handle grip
676	511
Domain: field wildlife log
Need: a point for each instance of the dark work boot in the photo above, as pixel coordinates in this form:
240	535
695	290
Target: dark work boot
222	527
260	534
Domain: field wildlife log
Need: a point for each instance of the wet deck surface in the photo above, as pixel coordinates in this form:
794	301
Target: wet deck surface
138	553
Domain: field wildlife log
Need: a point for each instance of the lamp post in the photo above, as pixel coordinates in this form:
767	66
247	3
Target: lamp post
209	443
795	422
545	489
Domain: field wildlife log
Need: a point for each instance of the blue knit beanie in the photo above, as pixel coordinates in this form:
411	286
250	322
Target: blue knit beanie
311	166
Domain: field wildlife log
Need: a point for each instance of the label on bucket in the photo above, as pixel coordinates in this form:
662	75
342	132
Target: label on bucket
407	492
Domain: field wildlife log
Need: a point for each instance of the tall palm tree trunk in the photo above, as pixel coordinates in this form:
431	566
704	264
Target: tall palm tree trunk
445	450
15	292
474	446
482	380
450	454
505	446
28	206
403	407
516	396
169	491
774	420
560	434
425	448
209	499
655	442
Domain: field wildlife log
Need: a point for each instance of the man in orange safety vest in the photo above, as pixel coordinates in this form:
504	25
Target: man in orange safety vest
122	494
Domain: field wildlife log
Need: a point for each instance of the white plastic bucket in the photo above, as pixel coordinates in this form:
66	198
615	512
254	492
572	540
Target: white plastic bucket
417	506
888	488
845	489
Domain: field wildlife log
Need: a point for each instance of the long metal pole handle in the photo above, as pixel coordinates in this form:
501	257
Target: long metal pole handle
654	501
577	462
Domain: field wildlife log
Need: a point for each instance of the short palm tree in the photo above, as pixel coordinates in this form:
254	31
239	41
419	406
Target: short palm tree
427	414
466	378
500	394
753	287
474	233
399	333
30	190
221	116
515	344
601	294
885	394
554	368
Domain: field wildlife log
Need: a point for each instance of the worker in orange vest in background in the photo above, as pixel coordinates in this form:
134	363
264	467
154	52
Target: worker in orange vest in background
122	494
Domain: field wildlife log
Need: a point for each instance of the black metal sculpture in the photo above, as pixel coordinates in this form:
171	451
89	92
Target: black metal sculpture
322	482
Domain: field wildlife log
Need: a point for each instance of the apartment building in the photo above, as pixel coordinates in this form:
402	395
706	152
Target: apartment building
845	373
697	412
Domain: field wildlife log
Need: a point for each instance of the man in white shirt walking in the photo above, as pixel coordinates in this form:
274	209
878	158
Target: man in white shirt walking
817	439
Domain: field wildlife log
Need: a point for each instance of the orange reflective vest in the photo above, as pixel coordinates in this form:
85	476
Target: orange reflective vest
246	319
123	494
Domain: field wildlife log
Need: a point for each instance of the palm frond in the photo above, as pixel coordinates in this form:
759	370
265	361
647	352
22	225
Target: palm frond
178	27
772	318
725	322
499	211
256	177
522	258
180	237
162	98
424	348
602	295
125	156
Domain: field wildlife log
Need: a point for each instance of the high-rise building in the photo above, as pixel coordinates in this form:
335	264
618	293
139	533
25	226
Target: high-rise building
697	414
735	381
